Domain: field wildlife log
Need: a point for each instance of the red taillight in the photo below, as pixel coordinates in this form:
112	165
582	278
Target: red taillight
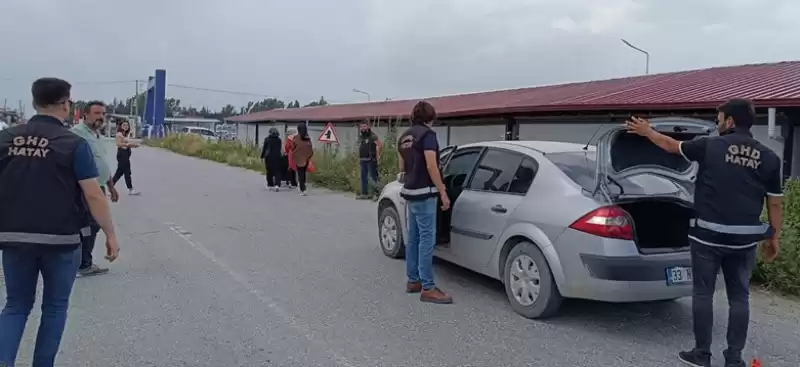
608	221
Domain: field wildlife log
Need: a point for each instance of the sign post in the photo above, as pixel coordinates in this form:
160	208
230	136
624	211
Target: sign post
328	135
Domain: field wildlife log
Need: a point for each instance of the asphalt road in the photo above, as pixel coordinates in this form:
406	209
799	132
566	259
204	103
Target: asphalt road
216	271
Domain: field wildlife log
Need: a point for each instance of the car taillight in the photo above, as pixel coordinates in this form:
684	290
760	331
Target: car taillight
607	221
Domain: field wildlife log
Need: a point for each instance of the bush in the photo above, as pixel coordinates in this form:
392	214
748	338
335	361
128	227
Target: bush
337	169
783	274
337	166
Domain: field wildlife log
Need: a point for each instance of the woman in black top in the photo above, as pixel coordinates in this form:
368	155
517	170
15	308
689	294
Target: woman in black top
124	156
272	154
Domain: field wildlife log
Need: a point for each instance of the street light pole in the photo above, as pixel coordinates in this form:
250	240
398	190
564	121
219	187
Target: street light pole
369	97
646	55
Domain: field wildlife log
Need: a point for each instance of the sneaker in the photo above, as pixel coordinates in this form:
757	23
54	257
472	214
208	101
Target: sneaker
92	270
303	193
133	192
362	197
413	287
695	358
276	188
435	295
733	359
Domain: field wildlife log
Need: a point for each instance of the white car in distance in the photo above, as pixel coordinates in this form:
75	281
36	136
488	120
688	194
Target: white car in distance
205	133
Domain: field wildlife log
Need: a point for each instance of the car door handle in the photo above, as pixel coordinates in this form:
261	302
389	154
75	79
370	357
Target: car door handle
499	209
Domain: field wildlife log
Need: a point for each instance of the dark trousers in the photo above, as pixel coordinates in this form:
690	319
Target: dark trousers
737	266
369	174
274	175
301	177
87	246
124	169
21	268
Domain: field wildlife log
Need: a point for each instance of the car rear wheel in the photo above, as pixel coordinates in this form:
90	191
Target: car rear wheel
529	282
390	232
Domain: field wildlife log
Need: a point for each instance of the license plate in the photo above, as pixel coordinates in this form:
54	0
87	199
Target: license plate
679	275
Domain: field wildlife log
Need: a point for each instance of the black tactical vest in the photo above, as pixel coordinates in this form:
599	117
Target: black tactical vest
42	203
417	184
730	189
368	147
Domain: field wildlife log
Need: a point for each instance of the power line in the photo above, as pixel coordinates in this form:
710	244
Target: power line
180	86
78	82
237	92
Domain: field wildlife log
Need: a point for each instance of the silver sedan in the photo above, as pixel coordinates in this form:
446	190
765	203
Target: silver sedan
558	220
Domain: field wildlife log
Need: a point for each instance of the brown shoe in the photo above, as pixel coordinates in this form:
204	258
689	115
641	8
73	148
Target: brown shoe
413	287
435	295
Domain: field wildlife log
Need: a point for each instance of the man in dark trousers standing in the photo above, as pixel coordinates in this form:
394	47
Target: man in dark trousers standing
47	179
422	183
369	151
94	118
736	174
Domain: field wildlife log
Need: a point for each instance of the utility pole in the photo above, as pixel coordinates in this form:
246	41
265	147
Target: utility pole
136	100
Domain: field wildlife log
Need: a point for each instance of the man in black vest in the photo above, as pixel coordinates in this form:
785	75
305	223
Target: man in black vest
422	182
369	151
736	174
47	178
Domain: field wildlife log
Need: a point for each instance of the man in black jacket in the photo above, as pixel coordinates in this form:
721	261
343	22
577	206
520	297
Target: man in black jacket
737	176
369	152
47	178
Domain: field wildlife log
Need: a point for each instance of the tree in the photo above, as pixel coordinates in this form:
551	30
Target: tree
321	102
227	111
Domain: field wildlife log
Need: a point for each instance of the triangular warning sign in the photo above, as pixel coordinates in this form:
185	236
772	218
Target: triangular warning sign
328	135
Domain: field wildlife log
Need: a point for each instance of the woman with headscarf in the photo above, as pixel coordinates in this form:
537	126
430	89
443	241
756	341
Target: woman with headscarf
288	170
272	154
300	158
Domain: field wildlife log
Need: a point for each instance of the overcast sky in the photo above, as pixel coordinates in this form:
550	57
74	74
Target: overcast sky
303	49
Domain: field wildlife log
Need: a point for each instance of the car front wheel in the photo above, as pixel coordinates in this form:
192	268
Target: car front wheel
529	282
390	232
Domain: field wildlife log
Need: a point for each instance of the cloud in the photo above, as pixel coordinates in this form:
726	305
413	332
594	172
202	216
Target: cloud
393	49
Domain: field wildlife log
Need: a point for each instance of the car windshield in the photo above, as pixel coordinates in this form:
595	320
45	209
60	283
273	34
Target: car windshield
581	167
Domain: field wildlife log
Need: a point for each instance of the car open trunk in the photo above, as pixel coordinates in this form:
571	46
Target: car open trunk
659	224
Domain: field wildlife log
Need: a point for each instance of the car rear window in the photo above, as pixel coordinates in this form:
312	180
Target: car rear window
581	167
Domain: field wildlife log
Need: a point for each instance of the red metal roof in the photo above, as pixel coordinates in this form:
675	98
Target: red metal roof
773	85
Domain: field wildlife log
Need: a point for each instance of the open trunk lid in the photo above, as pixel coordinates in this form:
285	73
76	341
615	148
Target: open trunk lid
621	155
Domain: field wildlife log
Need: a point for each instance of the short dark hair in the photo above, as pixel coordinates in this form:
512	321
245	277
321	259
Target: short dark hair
740	110
422	113
50	91
90	104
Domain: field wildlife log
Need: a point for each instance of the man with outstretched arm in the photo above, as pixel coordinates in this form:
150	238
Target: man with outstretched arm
47	179
418	151
736	174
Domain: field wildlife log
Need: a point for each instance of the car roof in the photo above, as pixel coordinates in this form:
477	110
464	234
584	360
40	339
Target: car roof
543	147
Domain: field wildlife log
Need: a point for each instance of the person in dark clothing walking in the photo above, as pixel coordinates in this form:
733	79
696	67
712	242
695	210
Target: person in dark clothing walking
48	189
369	152
124	156
737	174
418	151
272	155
